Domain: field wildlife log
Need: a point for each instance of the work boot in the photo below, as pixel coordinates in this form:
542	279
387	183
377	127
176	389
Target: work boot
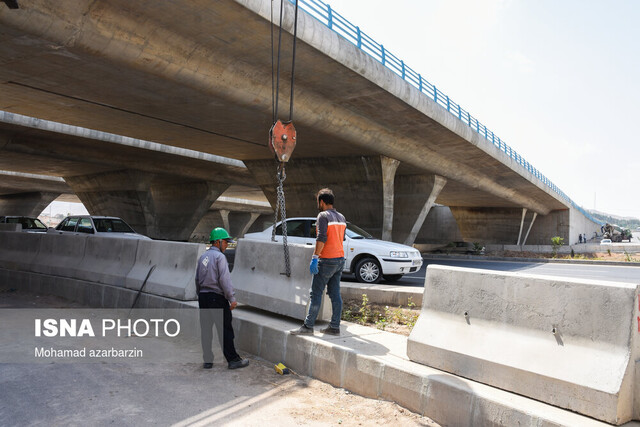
207	365
331	331
303	330
238	363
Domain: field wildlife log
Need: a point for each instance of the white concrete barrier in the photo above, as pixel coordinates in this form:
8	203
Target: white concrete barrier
175	268
568	342
59	254
107	260
259	280
18	251
110	261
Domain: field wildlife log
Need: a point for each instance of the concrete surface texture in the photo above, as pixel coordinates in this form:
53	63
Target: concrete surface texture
568	342
259	278
349	105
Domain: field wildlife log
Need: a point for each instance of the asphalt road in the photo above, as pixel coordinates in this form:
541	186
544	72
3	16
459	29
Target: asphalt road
583	271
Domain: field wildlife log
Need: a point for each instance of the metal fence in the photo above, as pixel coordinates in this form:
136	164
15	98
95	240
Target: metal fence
340	25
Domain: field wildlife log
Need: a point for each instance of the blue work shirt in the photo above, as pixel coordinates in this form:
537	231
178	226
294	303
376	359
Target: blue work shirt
212	274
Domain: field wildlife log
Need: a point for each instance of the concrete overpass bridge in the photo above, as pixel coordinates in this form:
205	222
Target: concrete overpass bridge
197	76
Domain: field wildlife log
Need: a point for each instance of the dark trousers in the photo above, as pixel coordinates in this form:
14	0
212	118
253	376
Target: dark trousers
211	300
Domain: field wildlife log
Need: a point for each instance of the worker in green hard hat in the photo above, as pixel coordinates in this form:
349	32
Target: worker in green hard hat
215	291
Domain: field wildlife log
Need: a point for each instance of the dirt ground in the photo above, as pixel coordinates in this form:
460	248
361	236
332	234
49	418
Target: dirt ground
399	320
256	394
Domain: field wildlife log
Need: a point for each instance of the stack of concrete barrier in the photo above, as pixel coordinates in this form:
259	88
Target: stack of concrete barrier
260	281
72	264
568	342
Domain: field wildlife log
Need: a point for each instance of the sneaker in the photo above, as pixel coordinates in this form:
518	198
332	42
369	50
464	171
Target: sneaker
331	331
303	330
240	363
207	365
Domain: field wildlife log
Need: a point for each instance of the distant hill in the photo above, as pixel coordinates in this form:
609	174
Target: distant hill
624	222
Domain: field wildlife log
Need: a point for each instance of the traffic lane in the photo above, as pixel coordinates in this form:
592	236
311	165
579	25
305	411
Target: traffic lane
583	271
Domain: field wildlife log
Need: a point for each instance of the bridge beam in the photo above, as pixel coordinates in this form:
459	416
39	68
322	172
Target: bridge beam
161	207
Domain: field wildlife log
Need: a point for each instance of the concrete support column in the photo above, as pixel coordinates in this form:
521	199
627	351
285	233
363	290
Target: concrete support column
438	185
160	206
355	182
225	219
26	204
535	215
389	168
524	213
247	226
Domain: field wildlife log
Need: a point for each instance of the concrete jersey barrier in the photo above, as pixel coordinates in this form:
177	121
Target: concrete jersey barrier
568	342
18	251
259	280
110	261
107	260
175	269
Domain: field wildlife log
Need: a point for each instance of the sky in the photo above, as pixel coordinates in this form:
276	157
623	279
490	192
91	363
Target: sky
556	80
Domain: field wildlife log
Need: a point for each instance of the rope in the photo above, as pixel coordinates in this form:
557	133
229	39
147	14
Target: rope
275	95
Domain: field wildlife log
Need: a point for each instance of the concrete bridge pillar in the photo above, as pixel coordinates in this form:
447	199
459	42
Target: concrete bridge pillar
355	181
415	196
238	223
159	206
371	191
26	204
389	168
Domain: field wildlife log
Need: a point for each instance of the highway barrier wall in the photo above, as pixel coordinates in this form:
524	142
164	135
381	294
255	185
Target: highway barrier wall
259	280
568	342
165	269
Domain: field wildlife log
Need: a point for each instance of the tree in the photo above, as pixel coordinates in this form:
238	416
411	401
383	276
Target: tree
556	242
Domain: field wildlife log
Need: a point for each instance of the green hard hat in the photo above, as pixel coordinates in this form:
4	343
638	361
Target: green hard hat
219	233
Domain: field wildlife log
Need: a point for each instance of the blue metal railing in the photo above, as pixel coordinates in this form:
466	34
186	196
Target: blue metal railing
340	25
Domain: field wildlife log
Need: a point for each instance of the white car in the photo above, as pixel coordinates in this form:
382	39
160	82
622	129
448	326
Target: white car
369	259
605	241
103	226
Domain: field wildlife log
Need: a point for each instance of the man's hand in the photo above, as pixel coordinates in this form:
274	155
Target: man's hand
313	267
233	305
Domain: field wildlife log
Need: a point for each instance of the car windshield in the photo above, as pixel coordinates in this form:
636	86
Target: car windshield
28	223
355	232
111	225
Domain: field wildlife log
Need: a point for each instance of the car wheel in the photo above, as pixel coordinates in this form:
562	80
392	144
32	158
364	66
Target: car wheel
368	271
392	277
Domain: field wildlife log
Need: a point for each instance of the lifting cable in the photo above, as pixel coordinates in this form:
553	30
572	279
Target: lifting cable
282	135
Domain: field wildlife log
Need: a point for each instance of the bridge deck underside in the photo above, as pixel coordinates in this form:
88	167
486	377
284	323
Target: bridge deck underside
198	76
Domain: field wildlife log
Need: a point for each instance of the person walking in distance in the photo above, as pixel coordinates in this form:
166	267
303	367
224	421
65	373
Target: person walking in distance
326	264
215	291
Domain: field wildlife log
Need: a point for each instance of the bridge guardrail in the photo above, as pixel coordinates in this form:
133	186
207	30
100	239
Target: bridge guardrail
341	26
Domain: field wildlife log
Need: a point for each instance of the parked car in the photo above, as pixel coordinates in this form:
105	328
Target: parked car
104	226
465	248
605	241
369	259
29	224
